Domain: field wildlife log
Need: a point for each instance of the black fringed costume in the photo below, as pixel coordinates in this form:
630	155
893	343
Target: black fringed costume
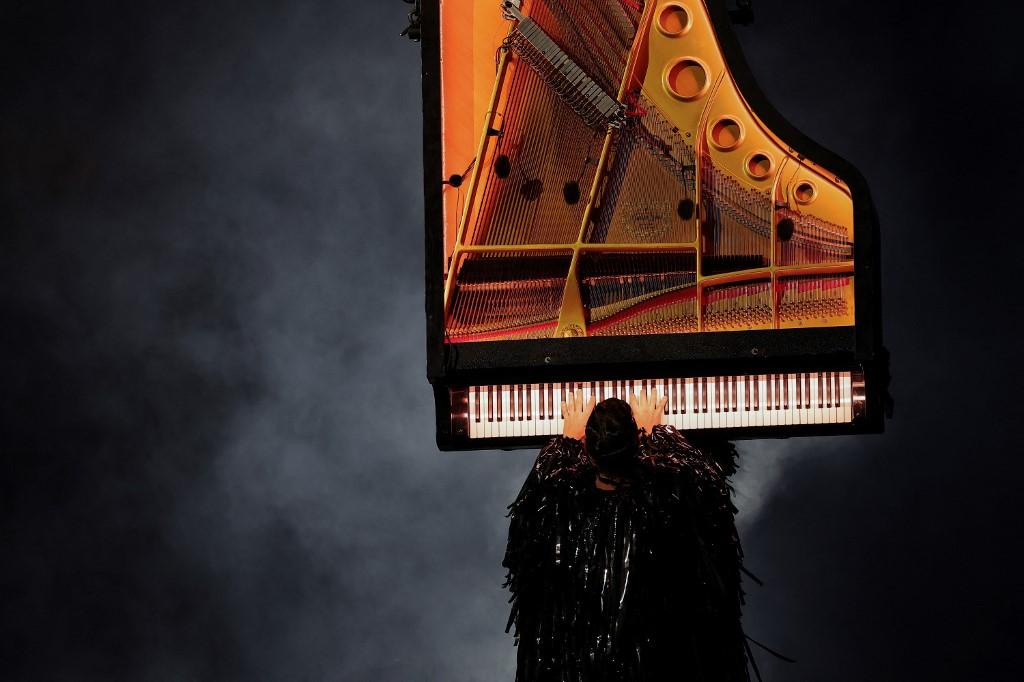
637	584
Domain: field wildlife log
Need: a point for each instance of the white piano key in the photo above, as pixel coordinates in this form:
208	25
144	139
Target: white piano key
474	426
515	399
741	401
760	386
733	402
790	398
495	410
847	398
713	417
505	426
530	418
559	422
829	405
515	424
815	415
689	417
488	413
799	412
835	410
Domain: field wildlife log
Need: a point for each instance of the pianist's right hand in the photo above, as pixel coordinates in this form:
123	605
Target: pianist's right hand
647	409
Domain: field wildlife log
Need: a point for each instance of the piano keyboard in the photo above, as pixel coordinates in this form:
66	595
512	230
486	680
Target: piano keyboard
715	402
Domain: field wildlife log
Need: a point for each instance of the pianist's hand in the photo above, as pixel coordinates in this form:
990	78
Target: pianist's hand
576	412
647	409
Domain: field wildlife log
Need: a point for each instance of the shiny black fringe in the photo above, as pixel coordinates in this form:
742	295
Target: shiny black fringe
638	584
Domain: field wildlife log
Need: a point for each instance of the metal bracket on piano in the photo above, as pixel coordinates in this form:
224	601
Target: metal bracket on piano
559	72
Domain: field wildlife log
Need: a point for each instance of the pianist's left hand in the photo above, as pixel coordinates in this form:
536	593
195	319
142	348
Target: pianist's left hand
576	412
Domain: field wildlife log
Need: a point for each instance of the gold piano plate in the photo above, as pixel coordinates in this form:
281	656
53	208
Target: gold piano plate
611	180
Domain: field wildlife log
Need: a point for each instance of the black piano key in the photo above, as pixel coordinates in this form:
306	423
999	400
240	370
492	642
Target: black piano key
746	393
551	401
839	390
718	394
807	391
704	394
528	393
798	395
476	415
785	391
664	386
490	408
735	397
821	390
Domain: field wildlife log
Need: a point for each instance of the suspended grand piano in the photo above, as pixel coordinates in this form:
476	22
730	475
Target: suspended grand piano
613	206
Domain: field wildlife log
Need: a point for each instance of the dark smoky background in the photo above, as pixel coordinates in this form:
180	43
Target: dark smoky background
216	433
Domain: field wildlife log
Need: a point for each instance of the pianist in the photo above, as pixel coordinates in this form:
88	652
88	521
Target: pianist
623	558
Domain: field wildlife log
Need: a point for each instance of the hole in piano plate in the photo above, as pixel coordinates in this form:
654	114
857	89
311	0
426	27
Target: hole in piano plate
686	209
571	192
674	20
759	165
686	78
503	167
785	229
726	133
805	192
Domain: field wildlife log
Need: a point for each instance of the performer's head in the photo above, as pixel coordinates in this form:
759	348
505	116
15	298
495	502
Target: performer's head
612	437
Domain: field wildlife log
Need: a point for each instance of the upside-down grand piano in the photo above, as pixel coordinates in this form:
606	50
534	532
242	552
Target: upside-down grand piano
612	205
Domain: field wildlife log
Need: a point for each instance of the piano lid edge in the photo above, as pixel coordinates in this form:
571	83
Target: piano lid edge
684	350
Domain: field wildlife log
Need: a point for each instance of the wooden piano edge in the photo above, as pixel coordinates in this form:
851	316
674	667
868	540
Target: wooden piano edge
451	444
